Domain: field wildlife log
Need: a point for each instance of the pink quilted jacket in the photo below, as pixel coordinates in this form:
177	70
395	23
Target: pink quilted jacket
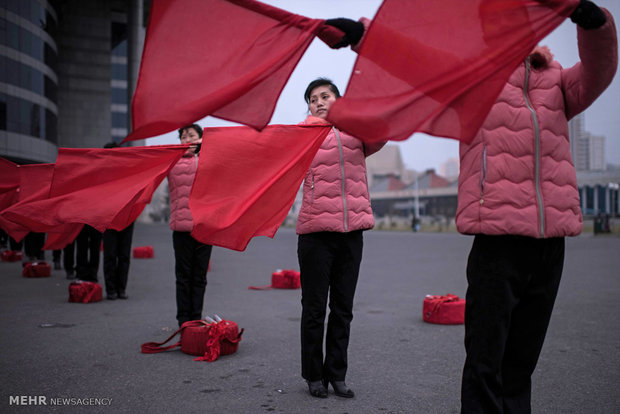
335	190
517	176
180	180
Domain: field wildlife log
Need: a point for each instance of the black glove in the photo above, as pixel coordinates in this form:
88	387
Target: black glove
353	31
588	15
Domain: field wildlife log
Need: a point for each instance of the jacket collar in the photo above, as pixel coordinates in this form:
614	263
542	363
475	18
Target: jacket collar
541	57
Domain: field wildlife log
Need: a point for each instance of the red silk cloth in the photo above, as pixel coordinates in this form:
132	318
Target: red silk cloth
226	58
232	58
22	184
105	188
247	180
438	66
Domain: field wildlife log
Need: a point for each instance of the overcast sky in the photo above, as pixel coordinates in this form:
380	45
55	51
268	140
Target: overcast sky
420	151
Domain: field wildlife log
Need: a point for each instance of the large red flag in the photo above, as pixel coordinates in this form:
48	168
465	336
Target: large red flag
61	236
226	58
105	188
247	180
34	184
438	66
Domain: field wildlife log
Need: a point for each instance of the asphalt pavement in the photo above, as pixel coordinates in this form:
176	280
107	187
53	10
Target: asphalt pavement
63	357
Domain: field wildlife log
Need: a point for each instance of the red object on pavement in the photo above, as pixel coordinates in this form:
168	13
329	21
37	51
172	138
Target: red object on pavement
11	256
85	292
36	269
282	279
445	310
143	252
206	340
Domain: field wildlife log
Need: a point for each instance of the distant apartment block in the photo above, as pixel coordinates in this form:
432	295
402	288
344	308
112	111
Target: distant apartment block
588	151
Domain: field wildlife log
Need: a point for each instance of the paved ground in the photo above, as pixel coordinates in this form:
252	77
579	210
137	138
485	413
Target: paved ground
398	363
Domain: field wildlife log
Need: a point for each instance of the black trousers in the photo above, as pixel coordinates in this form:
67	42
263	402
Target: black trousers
116	258
191	264
33	245
68	253
14	245
329	264
4	239
512	285
88	244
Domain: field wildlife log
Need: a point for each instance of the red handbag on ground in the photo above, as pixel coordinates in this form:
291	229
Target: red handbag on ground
282	279
143	252
206	340
36	269
11	256
445	310
82	291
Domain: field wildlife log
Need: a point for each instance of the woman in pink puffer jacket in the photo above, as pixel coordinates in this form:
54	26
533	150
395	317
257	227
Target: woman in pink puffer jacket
334	212
518	195
191	256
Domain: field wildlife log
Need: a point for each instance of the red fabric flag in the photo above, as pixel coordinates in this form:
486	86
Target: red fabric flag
438	66
105	188
247	180
226	58
61	236
34	184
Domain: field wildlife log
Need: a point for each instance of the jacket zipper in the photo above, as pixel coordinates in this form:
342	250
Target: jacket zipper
483	172
344	198
312	188
541	213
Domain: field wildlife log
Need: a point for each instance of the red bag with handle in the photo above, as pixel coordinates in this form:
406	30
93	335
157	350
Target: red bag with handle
36	269
143	252
446	310
82	291
11	256
282	279
203	339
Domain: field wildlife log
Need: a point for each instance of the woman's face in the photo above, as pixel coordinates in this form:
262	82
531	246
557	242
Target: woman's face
190	136
321	98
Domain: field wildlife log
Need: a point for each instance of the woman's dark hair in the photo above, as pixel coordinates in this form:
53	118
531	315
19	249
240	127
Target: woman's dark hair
320	82
195	127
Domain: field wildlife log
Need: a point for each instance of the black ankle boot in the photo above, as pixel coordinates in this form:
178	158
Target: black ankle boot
341	389
317	389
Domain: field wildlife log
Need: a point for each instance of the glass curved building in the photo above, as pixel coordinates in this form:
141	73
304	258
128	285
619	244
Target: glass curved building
66	67
28	81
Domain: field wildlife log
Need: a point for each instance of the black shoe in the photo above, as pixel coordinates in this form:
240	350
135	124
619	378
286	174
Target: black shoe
123	295
112	296
341	389
70	275
317	389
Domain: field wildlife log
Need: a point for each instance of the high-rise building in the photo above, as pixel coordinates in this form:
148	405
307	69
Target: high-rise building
28	81
118	81
450	168
596	150
588	151
67	68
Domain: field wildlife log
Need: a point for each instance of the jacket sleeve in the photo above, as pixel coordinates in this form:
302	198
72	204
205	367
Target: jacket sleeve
587	79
